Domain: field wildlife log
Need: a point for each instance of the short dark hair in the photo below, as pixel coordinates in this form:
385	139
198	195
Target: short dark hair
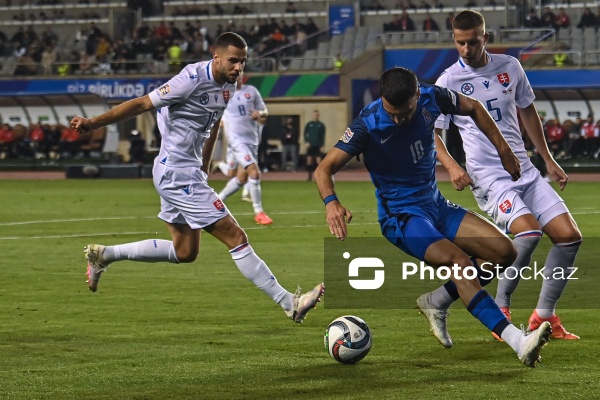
468	19
227	39
398	85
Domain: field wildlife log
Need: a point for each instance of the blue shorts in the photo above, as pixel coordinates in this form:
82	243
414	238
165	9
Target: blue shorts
414	229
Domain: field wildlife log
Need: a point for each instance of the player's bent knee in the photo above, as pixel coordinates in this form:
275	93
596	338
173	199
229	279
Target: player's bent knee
186	256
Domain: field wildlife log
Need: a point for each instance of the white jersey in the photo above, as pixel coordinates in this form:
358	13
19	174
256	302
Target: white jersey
501	86
187	107
239	127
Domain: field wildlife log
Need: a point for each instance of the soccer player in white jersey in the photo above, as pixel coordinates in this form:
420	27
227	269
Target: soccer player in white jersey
526	208
242	119
189	109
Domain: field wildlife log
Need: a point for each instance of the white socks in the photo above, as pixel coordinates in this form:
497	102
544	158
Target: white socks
255	194
255	270
223	167
513	336
151	250
232	186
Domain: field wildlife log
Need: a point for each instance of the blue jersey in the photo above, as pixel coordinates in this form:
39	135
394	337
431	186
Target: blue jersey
400	159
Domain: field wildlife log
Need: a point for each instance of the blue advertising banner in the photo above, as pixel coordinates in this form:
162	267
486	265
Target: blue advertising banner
429	64
340	18
108	88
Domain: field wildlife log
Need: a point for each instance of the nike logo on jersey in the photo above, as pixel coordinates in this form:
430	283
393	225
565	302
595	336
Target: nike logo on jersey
386	139
486	84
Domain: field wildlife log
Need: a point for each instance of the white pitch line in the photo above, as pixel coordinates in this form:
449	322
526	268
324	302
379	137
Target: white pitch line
156	233
80	235
58	221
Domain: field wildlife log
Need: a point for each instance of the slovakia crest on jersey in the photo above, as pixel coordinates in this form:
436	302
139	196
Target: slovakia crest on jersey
505	206
504	79
219	205
226	96
247	95
347	136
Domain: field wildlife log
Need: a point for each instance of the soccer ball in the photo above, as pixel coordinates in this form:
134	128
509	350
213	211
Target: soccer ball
348	339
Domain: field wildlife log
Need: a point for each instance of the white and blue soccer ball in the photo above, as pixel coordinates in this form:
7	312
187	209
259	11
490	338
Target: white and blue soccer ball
348	339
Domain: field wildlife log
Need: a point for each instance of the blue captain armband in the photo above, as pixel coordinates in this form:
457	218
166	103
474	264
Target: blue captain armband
330	198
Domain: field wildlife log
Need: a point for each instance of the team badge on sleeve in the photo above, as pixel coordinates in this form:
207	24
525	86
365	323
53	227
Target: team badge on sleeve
504	79
164	90
219	205
506	206
347	136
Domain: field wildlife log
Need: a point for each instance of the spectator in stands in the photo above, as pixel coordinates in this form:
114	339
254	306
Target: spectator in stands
562	19
19	36
574	145
590	134
470	4
48	36
449	20
145	5
291	7
548	18
555	136
400	24
405	5
429	24
122	57
37	141
588	19
174	56
312	31
26	65
299	41
286	29
532	20
49	57
87	63
68	145
406	22
289	144
424	5
7	138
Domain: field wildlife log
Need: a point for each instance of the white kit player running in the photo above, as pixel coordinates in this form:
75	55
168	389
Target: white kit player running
525	208
245	113
189	109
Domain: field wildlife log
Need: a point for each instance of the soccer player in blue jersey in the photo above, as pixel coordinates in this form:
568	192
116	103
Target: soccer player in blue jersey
395	136
189	110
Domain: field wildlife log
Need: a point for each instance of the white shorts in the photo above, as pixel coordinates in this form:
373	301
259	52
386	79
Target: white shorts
245	154
505	200
185	197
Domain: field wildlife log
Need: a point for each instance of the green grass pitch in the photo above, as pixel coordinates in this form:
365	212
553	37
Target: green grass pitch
202	331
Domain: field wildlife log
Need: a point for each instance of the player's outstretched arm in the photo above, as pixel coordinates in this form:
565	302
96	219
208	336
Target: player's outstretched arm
337	215
458	176
533	127
473	108
122	112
